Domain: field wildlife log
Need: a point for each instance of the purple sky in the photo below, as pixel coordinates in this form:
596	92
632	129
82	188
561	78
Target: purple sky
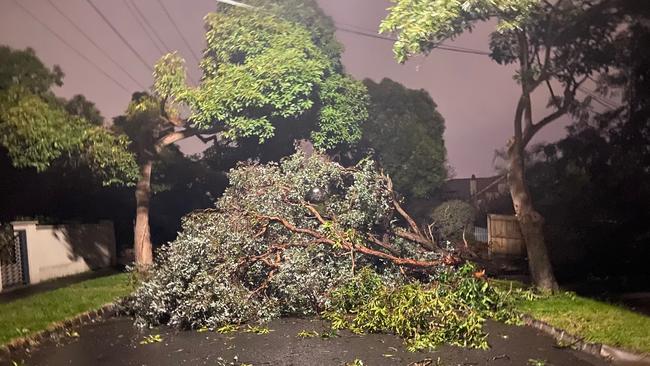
475	95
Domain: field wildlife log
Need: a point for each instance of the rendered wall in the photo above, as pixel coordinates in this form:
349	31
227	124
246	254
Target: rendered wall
61	250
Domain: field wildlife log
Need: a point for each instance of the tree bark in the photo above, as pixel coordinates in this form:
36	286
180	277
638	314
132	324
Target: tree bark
531	222
142	237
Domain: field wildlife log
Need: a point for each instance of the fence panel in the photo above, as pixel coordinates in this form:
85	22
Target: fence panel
504	236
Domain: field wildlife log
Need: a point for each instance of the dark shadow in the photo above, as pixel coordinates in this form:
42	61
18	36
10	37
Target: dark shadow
92	242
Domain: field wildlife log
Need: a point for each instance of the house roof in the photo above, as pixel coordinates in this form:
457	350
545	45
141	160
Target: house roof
460	188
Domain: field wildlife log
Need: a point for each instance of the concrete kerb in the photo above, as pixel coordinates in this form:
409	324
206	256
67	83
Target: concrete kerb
58	329
616	355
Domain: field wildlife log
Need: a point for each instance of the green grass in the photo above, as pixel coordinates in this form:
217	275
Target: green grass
35	313
595	321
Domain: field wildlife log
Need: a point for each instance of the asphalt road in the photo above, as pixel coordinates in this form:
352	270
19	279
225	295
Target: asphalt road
117	342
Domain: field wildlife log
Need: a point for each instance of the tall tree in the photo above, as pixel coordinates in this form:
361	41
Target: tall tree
405	132
37	130
593	185
259	70
553	44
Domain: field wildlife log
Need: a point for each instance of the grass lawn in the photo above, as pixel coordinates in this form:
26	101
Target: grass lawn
34	313
595	321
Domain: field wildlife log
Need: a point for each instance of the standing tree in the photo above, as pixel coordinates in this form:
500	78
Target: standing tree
259	69
573	179
554	44
405	132
38	129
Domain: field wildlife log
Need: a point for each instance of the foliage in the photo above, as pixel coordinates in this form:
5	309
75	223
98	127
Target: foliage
449	310
423	24
454	217
242	263
552	44
405	133
308	14
142	123
151	339
536	362
37	130
79	106
343	108
256	329
25	69
252	80
35	313
307	334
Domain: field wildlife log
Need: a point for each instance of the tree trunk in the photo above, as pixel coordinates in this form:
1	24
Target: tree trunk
142	239
531	223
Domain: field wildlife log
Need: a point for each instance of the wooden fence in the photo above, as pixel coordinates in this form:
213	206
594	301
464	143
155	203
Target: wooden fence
504	236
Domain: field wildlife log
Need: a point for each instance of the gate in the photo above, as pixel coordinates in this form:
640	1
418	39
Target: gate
13	262
504	236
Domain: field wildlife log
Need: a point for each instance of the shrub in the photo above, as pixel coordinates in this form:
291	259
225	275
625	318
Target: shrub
452	217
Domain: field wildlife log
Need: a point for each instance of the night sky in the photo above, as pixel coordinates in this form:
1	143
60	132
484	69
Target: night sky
475	95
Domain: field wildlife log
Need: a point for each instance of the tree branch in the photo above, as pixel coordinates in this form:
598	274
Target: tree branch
412	224
174	120
569	97
530	132
176	136
320	238
173	137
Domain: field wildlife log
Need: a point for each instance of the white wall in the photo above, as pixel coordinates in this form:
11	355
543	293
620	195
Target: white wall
62	250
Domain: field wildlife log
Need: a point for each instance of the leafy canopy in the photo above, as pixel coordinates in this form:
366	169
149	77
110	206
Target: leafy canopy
259	68
405	131
37	130
423	24
311	16
565	42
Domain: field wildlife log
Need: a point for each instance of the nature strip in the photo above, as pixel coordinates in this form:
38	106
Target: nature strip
617	355
57	329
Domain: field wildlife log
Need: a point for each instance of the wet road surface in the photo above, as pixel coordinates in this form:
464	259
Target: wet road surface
117	342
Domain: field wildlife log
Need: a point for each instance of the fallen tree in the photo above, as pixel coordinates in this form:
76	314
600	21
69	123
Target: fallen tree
282	240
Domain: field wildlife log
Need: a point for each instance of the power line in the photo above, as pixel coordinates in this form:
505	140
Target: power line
146	31
145	63
599	99
441	47
155	33
368	32
106	54
79	53
237	3
187	44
